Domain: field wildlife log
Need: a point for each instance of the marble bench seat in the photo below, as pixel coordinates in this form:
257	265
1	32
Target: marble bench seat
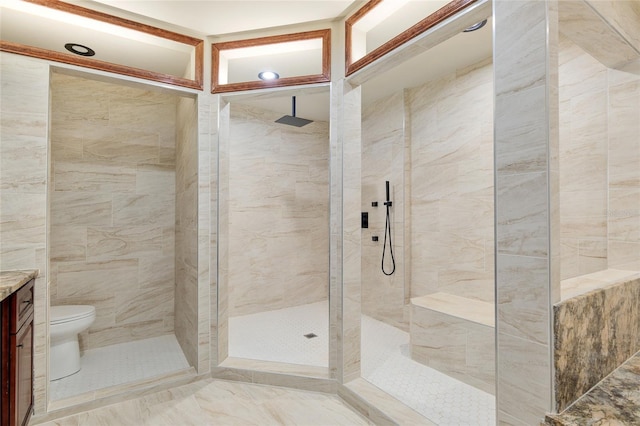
455	335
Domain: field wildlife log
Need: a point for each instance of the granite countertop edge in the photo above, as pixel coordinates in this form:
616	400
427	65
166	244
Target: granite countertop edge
11	281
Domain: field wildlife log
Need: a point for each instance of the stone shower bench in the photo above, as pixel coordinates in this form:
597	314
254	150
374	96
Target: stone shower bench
456	336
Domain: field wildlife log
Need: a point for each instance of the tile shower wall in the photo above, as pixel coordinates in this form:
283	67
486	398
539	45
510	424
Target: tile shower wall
599	165
624	171
452	214
583	161
278	212
112	199
186	229
383	141
24	120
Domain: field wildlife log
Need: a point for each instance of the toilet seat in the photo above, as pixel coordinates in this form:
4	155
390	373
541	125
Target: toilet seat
65	313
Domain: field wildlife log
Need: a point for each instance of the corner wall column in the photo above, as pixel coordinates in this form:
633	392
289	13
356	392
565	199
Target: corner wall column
527	215
345	239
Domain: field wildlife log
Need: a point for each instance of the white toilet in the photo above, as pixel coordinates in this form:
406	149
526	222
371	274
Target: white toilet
66	321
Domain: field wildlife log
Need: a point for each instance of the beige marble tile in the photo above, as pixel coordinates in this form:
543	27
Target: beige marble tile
25	84
523	378
22	218
521	214
80	208
522	301
288	220
457	306
595	26
377	405
68	243
523	151
123	242
144	209
138	306
23	152
120	145
77	279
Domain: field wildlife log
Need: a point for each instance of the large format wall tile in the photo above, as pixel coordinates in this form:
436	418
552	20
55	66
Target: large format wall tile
451	166
186	234
278	212
112	207
383	139
583	161
527	214
24	121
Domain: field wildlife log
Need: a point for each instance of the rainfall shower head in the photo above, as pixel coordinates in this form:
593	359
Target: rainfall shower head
292	120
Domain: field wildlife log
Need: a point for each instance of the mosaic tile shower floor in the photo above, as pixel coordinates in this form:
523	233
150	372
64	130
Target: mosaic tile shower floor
121	363
278	336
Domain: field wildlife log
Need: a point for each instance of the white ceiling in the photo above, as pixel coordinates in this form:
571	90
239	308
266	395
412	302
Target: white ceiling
217	17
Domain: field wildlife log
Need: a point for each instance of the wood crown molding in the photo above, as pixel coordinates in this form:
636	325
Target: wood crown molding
36	52
430	21
324	77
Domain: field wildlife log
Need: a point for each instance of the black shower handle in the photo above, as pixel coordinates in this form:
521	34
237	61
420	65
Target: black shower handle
388	199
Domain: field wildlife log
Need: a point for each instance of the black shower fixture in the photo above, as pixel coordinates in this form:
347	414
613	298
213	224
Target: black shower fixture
292	120
387	235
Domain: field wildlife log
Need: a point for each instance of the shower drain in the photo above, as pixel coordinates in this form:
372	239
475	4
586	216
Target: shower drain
310	335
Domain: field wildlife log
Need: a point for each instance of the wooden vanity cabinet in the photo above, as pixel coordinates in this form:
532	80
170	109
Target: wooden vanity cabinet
16	367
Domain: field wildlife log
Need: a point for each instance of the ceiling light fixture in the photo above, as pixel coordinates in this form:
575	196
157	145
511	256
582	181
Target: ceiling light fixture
79	49
268	75
475	27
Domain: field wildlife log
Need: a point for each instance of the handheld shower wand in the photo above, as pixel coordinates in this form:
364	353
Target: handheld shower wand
387	231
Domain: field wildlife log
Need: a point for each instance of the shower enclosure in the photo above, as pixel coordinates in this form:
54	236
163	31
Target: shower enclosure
428	329
122	218
274	235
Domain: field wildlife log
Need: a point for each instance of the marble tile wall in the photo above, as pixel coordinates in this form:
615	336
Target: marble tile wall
624	170
278	212
457	346
112	214
583	161
383	139
594	334
348	230
527	205
24	123
186	302
452	206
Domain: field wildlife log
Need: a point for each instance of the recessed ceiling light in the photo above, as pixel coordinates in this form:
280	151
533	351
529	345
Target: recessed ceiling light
475	26
79	49
268	75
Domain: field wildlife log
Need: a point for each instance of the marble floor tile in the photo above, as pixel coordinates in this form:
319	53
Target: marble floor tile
216	402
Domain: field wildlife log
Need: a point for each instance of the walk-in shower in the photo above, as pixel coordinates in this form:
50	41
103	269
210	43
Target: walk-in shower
428	308
274	235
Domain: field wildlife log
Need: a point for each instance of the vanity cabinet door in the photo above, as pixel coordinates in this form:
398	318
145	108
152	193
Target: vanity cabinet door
23	396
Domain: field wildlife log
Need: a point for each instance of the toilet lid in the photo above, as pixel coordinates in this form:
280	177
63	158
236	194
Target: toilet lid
66	313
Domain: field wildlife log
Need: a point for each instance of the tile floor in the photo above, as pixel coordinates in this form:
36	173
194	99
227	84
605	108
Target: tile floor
216	402
440	398
122	363
277	336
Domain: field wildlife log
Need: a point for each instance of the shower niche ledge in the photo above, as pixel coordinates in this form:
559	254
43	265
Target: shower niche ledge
468	328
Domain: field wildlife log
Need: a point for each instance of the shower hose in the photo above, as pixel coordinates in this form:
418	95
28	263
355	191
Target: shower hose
387	231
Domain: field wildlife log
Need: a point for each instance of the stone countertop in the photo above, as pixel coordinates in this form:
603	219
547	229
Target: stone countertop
10	281
615	401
